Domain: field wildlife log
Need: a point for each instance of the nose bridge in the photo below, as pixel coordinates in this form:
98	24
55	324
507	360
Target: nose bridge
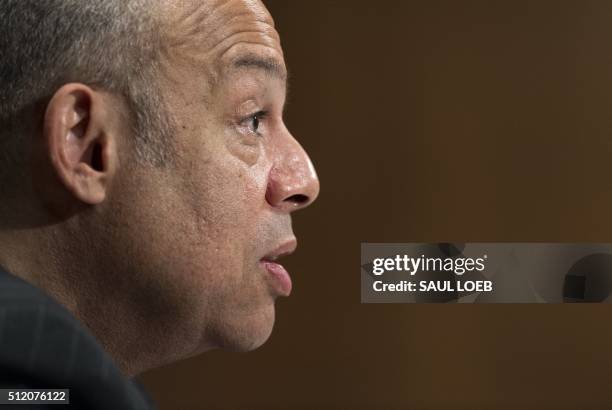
293	182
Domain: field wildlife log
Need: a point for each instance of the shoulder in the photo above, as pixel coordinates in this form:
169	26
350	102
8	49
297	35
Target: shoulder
42	345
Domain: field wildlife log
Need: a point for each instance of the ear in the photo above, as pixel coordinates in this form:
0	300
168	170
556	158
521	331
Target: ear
79	146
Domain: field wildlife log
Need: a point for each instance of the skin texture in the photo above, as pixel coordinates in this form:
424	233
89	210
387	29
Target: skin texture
165	263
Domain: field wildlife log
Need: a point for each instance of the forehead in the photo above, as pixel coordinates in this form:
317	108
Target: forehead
226	36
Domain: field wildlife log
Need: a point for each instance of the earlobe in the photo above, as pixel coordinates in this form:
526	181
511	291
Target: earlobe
77	143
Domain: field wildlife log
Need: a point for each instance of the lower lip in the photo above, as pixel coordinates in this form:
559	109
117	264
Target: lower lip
280	276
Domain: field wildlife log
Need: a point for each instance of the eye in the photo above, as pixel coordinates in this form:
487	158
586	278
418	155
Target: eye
254	121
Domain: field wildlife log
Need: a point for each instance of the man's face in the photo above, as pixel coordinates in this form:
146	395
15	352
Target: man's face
208	224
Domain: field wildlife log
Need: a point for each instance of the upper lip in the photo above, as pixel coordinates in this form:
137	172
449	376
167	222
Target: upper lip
286	248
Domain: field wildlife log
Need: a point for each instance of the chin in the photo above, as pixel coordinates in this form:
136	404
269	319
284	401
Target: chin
246	333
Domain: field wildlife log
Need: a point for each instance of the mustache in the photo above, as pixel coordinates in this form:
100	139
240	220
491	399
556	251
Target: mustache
274	232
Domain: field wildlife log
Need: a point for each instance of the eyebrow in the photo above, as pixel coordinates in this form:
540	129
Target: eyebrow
269	65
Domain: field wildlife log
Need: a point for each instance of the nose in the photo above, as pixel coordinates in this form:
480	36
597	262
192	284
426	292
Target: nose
292	182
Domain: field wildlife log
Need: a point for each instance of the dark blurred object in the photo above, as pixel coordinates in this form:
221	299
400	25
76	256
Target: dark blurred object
589	280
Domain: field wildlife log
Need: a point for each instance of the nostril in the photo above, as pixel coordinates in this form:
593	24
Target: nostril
298	199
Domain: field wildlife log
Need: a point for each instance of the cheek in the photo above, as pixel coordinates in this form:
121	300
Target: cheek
220	204
226	209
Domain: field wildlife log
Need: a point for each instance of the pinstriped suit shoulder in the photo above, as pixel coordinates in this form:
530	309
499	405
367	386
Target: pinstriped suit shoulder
43	346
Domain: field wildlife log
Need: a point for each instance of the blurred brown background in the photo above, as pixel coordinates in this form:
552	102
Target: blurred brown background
433	121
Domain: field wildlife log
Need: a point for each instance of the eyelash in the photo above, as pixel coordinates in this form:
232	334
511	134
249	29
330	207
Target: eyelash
255	117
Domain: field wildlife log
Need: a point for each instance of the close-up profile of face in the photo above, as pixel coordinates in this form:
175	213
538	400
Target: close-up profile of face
147	181
182	250
212	223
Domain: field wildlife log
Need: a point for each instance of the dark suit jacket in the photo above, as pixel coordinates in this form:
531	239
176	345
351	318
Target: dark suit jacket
43	346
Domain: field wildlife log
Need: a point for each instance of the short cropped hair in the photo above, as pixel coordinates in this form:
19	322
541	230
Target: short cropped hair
112	45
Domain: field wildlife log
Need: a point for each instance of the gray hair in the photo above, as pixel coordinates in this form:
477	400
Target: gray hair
108	44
